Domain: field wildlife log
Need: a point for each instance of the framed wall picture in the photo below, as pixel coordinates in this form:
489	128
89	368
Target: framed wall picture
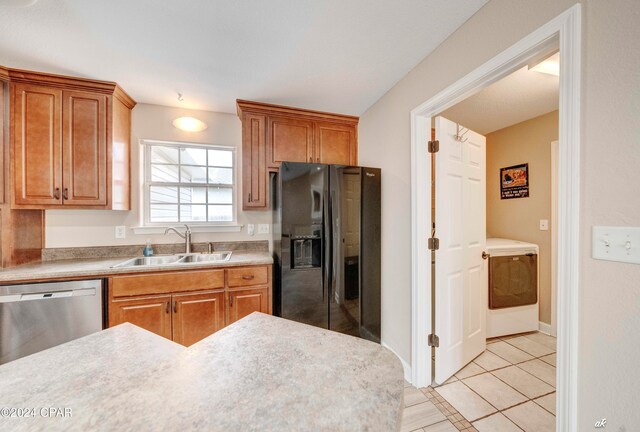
514	181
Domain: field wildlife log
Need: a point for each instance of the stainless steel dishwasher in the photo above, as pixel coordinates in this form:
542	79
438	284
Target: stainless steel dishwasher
35	317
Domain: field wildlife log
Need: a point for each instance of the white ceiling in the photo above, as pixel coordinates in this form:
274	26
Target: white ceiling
332	55
520	96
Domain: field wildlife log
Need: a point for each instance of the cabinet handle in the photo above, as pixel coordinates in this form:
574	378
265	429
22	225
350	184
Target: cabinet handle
56	193
175	306
65	193
248	277
166	309
249	197
230	300
310	158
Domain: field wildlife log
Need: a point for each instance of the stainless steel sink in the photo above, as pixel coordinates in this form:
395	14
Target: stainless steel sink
206	257
150	261
160	260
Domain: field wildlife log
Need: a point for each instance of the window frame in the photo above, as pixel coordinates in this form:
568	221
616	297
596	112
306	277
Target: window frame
147	145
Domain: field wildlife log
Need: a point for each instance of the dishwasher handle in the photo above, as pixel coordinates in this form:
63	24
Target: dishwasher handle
46	295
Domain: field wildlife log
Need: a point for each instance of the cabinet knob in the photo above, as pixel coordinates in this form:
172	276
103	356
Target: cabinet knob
56	193
65	193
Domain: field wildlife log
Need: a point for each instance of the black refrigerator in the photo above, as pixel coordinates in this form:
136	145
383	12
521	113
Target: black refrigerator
327	247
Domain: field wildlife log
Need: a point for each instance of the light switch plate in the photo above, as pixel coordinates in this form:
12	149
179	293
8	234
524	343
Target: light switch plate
263	228
121	231
251	229
620	244
544	225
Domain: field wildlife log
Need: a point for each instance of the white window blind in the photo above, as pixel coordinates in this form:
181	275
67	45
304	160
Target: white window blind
188	183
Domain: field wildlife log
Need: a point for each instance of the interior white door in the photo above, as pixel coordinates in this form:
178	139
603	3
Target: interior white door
461	281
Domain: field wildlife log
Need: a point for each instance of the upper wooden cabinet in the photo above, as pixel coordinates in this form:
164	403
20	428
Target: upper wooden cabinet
37	149
289	140
254	169
336	144
272	134
70	142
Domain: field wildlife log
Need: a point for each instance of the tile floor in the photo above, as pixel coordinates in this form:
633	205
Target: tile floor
509	387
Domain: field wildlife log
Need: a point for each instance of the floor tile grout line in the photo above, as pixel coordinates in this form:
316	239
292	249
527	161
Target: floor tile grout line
539	397
504	367
509	385
544	346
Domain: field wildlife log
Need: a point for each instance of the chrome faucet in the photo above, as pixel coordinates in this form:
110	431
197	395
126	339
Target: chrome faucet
186	236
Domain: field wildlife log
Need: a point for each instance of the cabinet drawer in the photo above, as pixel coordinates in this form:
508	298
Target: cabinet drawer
248	276
160	283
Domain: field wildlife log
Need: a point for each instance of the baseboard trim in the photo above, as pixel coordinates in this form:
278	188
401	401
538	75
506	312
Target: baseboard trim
544	328
405	365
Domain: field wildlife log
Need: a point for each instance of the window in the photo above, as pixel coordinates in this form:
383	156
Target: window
188	183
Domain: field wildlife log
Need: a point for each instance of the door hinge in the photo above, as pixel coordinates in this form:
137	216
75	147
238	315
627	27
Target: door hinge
433	243
433	341
433	146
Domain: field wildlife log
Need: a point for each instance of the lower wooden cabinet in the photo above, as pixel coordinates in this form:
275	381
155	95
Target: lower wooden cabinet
196	316
246	301
150	313
188	306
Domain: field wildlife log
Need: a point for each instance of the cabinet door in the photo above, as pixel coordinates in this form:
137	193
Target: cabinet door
246	301
37	153
289	140
196	316
84	150
150	313
254	165
336	144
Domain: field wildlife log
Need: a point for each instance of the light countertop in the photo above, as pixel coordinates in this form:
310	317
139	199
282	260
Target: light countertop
83	268
260	373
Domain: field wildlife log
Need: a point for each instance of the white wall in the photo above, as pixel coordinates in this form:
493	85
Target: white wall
609	311
68	228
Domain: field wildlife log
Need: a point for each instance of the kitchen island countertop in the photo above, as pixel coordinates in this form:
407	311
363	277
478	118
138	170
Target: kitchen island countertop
260	373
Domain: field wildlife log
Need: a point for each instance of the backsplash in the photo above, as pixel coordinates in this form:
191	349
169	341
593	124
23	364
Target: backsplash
97	252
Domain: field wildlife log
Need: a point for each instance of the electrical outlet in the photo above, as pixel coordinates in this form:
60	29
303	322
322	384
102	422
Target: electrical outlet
251	229
544	225
121	231
263	228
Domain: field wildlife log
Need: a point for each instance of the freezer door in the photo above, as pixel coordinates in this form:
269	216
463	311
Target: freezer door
354	303
301	289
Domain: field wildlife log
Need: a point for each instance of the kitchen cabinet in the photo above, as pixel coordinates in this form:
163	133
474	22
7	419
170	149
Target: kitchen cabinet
38	149
336	144
254	170
84	149
290	139
272	134
187	306
150	313
70	142
244	302
21	231
196	316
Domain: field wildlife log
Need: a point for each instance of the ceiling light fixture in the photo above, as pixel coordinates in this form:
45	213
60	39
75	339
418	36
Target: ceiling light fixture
550	65
189	124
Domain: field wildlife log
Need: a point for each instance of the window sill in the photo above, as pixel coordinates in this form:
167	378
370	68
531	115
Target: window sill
194	228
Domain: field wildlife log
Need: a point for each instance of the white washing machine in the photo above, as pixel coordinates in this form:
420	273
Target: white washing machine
513	287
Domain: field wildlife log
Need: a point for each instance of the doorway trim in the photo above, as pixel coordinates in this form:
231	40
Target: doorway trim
555	150
567	28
